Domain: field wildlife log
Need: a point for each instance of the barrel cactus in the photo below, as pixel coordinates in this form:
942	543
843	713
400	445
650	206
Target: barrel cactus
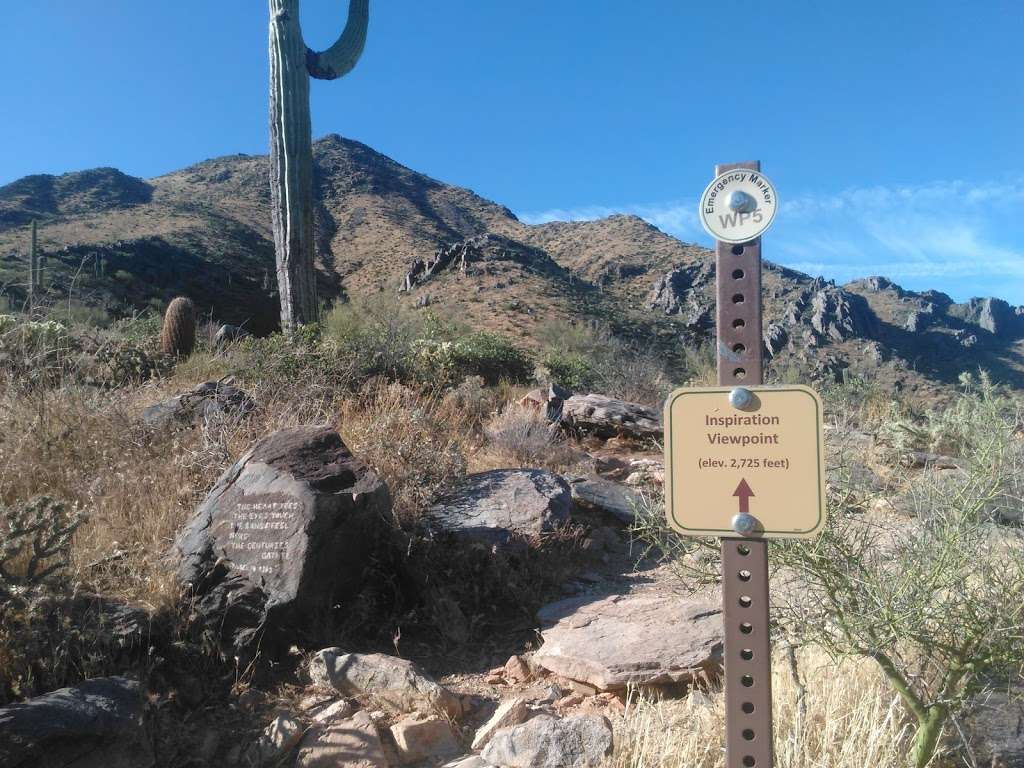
291	146
178	337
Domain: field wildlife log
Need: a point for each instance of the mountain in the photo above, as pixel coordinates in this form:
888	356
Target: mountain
116	244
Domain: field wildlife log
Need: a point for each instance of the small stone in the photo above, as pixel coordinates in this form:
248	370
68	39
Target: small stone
469	761
494	679
572	700
283	733
508	713
339	710
517	671
315	702
420	738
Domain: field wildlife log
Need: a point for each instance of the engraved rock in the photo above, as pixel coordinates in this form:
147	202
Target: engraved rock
636	639
285	532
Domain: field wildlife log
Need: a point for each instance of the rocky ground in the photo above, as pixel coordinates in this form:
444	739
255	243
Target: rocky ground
291	529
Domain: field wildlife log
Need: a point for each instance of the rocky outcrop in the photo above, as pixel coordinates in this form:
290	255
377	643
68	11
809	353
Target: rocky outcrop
607	417
462	256
211	401
390	681
684	292
840	315
497	506
993	315
287	531
98	724
636	639
581	741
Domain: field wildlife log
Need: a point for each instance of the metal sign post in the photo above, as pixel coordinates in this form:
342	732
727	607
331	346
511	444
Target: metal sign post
748	660
743	462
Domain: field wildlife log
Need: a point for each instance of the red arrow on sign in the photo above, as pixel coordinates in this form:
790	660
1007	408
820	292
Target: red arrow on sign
744	493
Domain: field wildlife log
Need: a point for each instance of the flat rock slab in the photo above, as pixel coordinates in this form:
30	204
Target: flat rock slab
352	743
390	681
98	724
600	495
581	741
635	639
286	532
493	507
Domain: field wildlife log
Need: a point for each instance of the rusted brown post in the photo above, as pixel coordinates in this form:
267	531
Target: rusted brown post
748	672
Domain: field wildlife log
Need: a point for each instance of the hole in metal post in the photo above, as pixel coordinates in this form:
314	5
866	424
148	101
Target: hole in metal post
746	654
737	274
744	575
747	681
737	250
740	373
743	549
738	323
748	734
747	707
745	601
739	348
738	298
746	628
749	761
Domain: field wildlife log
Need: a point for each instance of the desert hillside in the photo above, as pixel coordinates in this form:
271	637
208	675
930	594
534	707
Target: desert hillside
115	245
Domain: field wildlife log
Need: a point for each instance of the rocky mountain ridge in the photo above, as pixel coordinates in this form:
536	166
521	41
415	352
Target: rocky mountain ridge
117	244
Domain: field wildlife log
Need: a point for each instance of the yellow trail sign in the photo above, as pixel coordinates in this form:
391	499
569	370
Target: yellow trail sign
764	459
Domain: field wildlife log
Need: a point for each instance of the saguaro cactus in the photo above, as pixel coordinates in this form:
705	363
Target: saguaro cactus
291	146
33	268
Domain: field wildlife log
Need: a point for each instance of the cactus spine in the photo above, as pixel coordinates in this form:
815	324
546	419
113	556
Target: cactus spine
291	146
178	337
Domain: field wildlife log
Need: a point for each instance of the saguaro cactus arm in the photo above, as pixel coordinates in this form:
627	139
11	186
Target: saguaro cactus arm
341	57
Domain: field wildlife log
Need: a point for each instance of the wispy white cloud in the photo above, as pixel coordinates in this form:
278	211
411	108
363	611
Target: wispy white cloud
961	237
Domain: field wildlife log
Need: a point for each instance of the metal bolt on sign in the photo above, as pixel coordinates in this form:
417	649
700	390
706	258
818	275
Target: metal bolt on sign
744	462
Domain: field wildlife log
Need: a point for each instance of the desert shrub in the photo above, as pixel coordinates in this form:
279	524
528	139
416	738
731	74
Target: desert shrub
935	598
488	355
521	436
377	337
35	544
590	358
37	350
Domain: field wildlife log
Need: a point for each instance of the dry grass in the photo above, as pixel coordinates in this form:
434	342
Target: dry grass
522	436
850	719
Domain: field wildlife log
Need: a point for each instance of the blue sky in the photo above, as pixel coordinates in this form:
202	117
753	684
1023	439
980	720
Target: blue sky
891	130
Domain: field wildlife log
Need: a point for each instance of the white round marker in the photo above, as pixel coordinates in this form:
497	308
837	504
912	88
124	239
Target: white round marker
738	206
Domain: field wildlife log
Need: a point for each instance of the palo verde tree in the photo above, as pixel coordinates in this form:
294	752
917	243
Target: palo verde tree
291	146
934	593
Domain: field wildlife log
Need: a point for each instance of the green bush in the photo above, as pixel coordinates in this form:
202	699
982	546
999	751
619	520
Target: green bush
569	369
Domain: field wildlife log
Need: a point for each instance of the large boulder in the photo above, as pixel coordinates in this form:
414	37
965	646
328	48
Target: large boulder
494	507
607	417
396	683
285	533
995	727
648	639
213	400
581	741
98	724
